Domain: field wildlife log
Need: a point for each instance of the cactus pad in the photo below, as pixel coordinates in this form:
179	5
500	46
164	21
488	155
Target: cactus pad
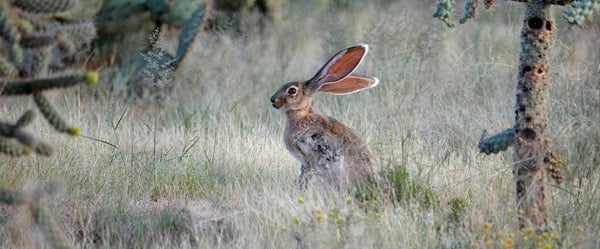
189	32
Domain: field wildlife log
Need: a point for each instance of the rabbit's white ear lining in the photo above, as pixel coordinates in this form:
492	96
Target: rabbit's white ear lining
340	66
349	85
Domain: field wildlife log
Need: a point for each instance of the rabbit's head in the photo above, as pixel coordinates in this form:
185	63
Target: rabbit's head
334	77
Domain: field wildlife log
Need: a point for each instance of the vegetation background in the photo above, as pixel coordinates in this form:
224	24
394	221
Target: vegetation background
205	166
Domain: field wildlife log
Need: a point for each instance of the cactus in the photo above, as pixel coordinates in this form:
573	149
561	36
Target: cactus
83	10
31	86
470	8
12	149
189	32
9	33
553	165
44	220
52	116
180	12
497	143
13	197
581	11
155	66
39	42
532	152
7	69
489	4
443	11
27	142
35	202
117	16
44	6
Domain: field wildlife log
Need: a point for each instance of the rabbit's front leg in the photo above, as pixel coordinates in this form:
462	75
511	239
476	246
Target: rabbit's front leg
306	174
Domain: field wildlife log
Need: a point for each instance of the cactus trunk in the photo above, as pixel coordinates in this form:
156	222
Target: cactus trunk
530	114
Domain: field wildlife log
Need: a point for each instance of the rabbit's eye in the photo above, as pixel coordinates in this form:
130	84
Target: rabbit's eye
292	90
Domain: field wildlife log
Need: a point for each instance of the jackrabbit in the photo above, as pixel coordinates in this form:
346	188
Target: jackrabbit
330	153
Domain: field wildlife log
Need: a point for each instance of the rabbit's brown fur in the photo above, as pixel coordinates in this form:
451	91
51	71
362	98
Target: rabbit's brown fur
330	153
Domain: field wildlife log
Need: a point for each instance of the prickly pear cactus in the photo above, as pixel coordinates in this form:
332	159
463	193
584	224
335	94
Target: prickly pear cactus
155	67
124	16
38	43
123	25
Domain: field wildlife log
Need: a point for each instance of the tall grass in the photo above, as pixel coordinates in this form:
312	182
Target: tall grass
212	153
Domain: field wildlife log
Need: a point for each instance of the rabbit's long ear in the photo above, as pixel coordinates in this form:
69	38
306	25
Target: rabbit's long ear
350	84
339	66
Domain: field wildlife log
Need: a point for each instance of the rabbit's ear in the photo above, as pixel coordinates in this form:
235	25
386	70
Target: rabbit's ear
339	66
350	84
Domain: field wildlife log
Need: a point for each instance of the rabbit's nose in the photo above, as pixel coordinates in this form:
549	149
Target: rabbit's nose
276	102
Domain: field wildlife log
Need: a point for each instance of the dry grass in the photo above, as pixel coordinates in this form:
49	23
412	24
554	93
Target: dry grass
212	151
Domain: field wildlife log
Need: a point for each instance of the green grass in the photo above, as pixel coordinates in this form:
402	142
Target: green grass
211	152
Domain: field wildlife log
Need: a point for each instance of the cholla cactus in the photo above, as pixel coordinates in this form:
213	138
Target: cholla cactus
489	4
34	201
470	8
532	151
496	143
443	11
38	41
581	11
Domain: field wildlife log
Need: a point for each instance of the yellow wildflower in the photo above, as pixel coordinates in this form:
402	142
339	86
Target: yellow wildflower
528	230
319	215
507	243
546	235
339	220
301	200
487	226
510	211
296	220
